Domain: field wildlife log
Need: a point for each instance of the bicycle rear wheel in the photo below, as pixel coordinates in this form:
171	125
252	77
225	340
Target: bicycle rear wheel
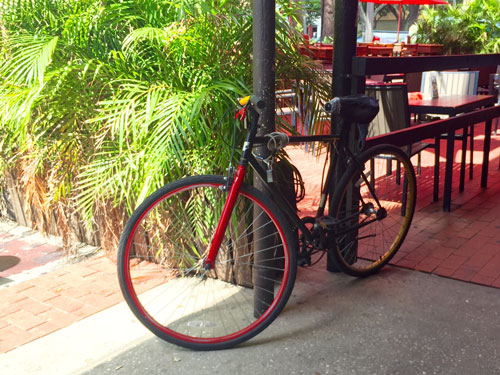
161	264
374	205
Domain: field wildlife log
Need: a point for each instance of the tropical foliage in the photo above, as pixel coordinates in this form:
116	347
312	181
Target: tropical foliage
103	101
472	27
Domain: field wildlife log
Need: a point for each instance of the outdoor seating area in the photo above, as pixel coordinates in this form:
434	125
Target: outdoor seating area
436	88
398	49
323	52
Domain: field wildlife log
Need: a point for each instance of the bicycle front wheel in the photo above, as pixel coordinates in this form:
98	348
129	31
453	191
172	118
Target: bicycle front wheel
374	205
161	264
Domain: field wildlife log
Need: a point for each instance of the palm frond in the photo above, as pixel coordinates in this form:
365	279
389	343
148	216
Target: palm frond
28	58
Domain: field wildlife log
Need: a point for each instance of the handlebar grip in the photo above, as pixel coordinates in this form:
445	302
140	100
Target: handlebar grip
333	106
256	102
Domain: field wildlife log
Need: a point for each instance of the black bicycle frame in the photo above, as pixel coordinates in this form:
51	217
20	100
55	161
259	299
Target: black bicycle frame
343	153
283	204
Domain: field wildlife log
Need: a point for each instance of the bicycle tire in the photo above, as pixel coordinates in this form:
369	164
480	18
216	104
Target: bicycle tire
163	247
362	251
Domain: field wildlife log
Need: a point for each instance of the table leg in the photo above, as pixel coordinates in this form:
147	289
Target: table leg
471	168
465	132
486	153
450	145
437	148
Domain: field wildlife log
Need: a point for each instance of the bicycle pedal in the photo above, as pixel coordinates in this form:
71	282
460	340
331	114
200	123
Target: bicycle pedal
327	222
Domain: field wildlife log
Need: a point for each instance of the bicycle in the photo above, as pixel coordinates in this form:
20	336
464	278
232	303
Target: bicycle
207	262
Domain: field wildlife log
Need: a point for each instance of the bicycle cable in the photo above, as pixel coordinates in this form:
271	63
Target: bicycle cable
233	140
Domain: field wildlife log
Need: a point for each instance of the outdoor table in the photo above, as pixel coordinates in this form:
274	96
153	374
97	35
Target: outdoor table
361	50
380	51
452	106
430	49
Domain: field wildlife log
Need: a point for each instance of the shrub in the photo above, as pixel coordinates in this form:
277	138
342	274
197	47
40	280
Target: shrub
472	27
102	102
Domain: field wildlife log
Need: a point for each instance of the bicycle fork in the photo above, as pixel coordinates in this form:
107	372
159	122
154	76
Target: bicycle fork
234	190
239	177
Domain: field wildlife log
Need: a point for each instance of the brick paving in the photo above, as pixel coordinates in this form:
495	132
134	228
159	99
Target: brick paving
463	244
30	248
37	307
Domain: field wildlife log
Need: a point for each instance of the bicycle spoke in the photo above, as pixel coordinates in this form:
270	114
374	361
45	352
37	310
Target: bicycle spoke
371	237
170	282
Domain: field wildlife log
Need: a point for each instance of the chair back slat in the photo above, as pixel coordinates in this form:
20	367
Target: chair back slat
450	83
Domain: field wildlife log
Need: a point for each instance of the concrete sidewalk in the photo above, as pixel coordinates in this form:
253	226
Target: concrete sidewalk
397	322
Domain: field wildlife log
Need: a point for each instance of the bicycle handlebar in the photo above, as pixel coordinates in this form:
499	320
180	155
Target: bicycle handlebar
356	108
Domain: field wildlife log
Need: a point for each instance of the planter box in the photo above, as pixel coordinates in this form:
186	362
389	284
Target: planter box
66	222
14	199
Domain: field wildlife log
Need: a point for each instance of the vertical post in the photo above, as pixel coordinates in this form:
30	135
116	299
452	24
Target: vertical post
344	49
264	47
344	44
264	52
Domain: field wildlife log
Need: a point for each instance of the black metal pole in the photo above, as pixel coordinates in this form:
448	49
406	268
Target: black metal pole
344	49
344	45
264	53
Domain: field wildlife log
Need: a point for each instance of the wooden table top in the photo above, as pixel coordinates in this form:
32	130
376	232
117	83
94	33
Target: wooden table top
450	105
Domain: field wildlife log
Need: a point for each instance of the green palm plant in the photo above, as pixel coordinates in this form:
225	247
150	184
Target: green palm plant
110	100
472	27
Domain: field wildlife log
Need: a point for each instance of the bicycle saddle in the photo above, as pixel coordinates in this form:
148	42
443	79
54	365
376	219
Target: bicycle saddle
357	108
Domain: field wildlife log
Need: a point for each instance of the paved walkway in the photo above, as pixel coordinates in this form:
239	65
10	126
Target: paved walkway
463	244
37	307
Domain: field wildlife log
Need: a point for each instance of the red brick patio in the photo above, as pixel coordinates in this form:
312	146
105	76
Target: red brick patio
463	244
35	308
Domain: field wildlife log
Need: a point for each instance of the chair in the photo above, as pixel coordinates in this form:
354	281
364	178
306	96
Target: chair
494	89
483	81
361	50
448	84
410	50
294	109
413	81
393	115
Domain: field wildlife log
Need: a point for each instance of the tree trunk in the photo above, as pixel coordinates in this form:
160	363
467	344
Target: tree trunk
412	17
327	18
368	20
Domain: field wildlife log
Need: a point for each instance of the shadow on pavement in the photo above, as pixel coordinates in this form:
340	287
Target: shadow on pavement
8	261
